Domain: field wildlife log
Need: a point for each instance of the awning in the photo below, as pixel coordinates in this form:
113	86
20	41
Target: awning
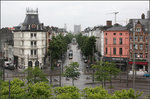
139	63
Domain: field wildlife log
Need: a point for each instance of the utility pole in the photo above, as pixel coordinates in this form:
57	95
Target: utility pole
3	67
133	66
9	90
93	63
50	68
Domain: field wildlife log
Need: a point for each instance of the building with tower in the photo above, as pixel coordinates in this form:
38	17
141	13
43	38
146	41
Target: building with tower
30	41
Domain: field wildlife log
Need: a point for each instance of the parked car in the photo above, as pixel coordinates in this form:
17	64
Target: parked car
85	60
9	65
138	73
6	64
147	75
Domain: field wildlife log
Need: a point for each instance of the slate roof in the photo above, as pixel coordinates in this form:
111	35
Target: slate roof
117	27
144	23
31	19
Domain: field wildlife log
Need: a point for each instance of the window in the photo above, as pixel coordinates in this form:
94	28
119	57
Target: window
146	55
138	30
31	52
31	35
120	41
120	33
34	52
141	46
114	51
130	38
33	43
141	38
141	55
114	40
34	34
136	46
106	51
146	47
136	55
114	33
120	51
136	38
105	40
130	46
32	17
105	33
146	38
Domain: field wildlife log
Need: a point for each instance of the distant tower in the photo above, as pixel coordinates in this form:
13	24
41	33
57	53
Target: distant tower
77	28
65	27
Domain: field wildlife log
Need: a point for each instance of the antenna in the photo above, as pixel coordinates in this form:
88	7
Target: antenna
115	15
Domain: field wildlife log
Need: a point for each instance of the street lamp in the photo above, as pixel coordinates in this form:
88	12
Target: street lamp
59	64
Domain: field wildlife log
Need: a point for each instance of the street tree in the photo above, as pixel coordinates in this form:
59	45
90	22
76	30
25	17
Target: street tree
67	92
97	93
35	75
128	94
17	89
39	90
57	47
72	71
68	38
105	71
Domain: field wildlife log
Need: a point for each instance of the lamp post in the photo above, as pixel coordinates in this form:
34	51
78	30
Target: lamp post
60	62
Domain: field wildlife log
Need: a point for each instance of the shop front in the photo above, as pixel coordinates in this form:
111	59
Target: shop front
139	65
121	63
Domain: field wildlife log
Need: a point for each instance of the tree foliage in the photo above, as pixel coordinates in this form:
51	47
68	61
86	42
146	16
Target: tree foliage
128	94
39	90
72	71
17	89
67	92
105	70
57	47
35	75
97	93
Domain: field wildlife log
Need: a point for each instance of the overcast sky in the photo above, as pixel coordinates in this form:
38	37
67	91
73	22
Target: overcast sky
86	13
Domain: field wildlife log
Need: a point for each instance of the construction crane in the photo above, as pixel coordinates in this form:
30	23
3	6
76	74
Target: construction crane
115	15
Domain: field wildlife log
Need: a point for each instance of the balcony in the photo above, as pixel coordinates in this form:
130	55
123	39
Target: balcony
33	56
33	46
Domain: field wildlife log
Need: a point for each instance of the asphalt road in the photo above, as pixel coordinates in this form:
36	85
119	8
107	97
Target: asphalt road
85	79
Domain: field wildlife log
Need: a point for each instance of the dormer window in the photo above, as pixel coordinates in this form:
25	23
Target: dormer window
138	29
32	17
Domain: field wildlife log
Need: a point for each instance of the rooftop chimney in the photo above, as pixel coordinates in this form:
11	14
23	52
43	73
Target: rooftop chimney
143	16
109	23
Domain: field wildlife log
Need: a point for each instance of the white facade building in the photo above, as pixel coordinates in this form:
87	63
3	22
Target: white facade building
30	42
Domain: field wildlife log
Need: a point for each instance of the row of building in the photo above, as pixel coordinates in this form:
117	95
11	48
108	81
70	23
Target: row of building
122	44
28	42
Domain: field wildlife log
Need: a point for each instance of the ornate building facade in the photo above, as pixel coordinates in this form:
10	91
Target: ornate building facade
30	41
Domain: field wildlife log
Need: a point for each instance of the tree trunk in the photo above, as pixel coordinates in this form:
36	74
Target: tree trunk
72	82
110	81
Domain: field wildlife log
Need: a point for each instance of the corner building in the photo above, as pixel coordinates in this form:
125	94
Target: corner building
116	46
30	41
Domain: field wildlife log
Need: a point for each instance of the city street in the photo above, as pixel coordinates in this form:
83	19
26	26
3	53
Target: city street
85	79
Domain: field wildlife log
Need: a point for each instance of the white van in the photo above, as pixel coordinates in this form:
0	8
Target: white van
6	64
